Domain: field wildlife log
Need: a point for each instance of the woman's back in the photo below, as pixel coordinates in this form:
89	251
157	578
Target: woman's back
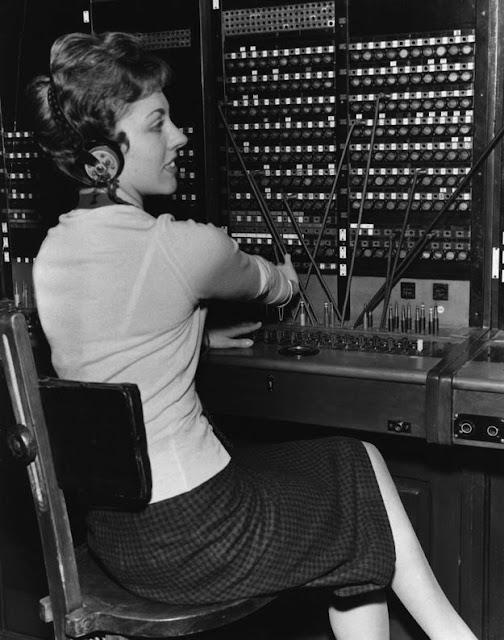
116	306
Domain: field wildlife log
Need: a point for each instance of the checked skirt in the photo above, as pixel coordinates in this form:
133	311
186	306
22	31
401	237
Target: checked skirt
279	516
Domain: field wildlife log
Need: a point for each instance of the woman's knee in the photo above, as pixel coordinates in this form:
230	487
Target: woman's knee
378	463
373	452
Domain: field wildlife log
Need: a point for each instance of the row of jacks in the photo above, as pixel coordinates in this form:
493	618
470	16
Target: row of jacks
397	319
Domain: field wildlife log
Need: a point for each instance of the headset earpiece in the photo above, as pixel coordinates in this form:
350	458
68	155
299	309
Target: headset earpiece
103	161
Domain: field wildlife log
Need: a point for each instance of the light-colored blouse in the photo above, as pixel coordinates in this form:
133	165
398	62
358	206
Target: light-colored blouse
120	293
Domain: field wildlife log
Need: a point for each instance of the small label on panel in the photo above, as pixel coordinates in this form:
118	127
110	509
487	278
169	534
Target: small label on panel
495	263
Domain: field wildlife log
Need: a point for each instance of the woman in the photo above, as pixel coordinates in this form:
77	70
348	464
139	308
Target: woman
121	299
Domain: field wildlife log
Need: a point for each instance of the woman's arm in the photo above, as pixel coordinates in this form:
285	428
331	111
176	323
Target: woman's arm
214	267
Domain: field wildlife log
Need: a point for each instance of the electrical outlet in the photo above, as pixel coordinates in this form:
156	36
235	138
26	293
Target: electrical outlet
440	291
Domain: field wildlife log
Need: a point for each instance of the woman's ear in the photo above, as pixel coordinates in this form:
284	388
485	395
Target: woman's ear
123	142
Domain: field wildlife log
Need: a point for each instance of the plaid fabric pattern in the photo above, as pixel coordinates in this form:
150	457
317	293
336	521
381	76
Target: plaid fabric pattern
279	516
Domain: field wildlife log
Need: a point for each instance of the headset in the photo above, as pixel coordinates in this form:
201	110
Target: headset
101	159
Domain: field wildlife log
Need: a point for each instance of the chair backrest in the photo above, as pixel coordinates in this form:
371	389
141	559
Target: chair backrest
98	442
86	438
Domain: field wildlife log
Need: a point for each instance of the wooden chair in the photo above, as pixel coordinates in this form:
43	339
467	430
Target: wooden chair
83	600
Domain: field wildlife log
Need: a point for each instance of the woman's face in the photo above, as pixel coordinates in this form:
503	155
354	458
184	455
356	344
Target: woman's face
152	149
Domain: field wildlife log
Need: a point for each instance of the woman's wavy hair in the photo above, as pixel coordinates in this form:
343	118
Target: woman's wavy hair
92	83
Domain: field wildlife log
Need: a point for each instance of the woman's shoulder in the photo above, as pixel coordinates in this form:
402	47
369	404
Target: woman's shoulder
107	211
191	230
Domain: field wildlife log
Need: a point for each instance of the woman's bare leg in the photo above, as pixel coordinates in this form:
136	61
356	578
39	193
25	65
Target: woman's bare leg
361	618
414	582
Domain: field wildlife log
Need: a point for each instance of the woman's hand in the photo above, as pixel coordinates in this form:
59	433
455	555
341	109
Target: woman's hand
231	337
287	268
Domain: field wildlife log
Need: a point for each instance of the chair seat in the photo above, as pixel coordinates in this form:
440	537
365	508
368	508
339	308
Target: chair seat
109	608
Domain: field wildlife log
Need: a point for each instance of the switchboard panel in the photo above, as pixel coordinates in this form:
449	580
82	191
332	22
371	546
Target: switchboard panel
280	84
362	121
412	98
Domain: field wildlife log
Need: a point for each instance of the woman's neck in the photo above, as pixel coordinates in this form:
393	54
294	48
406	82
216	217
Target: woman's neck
91	198
135	200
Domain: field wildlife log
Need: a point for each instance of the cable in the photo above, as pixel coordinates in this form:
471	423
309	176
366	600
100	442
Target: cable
267	217
361	209
18	66
299	234
391	273
91	20
420	244
328	206
278	242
